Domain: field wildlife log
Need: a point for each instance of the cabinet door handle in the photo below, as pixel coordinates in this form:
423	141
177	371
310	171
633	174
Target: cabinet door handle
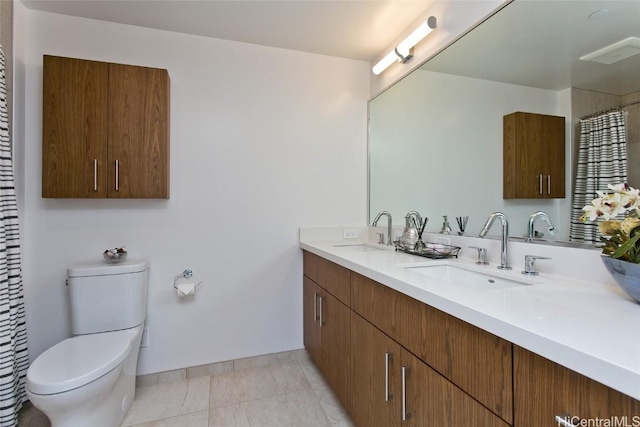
548	184
321	298
315	307
540	185
567	420
387	357
405	414
95	174
117	175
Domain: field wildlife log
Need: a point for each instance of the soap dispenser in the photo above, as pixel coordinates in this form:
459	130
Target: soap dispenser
413	222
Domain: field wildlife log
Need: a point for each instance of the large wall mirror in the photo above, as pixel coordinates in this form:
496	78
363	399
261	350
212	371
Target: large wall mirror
435	138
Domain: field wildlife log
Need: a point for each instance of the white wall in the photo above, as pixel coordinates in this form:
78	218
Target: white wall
263	141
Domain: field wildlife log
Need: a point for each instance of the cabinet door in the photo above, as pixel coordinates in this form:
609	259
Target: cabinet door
533	156
429	399
138	132
553	169
74	128
375	379
335	342
478	362
311	325
543	390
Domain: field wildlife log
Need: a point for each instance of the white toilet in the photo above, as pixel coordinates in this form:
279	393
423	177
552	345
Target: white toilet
89	380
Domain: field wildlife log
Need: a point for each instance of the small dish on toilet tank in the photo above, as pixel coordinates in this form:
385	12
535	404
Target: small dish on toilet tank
115	254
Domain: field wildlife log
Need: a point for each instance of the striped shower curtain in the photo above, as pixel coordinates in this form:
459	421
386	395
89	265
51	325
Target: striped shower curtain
602	160
14	359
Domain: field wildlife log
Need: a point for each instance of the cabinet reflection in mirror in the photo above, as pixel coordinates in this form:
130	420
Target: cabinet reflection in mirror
436	137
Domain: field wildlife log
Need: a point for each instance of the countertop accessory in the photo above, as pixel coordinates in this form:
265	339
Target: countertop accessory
446	228
530	264
482	255
626	274
413	222
462	223
430	250
424	224
185	288
115	255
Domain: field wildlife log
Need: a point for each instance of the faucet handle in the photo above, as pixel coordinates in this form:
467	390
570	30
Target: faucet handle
482	255
530	264
380	238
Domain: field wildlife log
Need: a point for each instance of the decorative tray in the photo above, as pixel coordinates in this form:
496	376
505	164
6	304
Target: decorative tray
429	250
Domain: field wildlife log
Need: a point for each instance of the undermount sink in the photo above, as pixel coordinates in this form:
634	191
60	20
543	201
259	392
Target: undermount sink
358	247
464	277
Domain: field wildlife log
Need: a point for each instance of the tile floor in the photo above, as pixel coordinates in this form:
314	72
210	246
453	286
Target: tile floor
263	391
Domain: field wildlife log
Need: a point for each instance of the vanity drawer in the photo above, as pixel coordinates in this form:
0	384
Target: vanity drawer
330	276
377	303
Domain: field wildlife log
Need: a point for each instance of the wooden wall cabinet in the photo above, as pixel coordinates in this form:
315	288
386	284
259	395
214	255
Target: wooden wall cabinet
327	322
105	130
544	390
533	156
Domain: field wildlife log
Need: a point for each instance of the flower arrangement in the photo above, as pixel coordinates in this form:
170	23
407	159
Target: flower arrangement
620	236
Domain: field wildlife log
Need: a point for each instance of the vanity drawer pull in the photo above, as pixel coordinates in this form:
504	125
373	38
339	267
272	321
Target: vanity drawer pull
405	414
387	396
95	174
315	307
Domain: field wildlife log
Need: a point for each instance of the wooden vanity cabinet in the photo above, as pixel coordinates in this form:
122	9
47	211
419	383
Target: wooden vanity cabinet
392	387
453	368
478	362
446	371
543	390
327	322
376	396
105	130
533	156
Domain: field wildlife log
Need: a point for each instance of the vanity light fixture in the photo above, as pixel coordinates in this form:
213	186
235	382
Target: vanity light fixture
404	50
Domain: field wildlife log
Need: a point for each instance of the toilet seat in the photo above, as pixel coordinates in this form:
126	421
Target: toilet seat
77	361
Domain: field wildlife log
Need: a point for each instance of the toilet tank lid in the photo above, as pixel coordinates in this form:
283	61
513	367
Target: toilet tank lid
96	268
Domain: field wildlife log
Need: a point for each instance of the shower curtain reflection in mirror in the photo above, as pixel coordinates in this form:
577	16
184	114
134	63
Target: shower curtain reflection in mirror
602	160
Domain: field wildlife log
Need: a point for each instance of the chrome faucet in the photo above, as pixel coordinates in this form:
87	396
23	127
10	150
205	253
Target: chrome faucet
375	224
532	219
504	256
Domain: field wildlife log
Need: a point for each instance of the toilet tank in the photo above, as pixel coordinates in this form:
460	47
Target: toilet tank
107	297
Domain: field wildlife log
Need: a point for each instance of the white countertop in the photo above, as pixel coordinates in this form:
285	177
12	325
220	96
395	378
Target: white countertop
591	328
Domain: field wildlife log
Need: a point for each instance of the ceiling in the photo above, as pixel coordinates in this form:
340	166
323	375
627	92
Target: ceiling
358	29
539	44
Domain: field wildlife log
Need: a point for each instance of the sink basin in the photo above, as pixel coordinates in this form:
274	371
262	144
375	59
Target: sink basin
358	247
470	279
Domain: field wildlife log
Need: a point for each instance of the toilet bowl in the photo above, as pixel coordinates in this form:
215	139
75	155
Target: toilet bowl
88	380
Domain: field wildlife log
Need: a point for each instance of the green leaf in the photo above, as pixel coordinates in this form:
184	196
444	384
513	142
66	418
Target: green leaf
626	247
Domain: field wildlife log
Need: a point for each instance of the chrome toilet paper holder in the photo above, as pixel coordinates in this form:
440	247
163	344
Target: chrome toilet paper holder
186	274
